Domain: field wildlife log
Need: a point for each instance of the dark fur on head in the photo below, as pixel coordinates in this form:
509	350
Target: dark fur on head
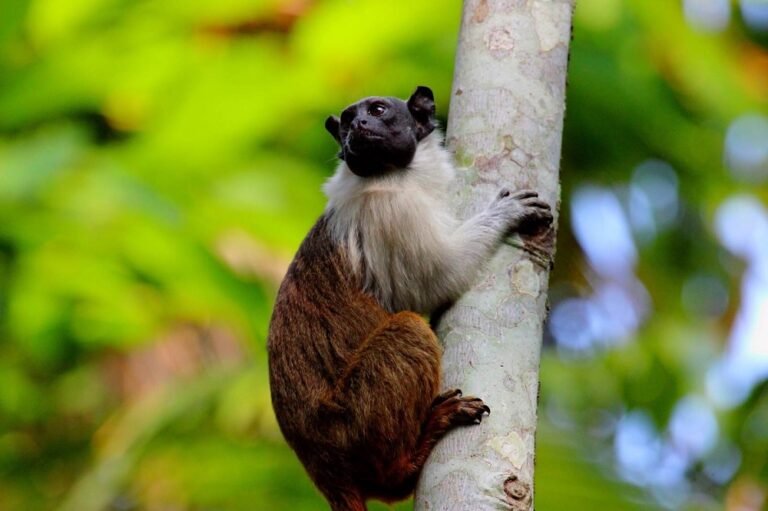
379	134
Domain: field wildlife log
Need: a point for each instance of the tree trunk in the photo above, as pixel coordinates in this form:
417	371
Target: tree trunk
505	129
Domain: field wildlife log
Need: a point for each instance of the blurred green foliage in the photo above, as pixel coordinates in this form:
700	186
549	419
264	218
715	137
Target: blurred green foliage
160	161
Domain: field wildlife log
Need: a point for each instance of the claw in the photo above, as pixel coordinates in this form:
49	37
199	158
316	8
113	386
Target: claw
526	194
537	203
445	396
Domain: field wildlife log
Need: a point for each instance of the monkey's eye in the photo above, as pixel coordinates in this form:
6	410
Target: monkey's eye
377	109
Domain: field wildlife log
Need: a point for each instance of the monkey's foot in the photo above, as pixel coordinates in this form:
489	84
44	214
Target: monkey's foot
441	398
464	410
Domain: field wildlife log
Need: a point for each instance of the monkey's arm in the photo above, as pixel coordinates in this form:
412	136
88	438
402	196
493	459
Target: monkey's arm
475	241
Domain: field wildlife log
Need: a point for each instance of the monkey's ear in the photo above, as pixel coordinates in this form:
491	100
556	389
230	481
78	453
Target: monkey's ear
421	104
332	125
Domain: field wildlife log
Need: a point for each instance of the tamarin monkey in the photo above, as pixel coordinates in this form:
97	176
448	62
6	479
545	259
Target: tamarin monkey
354	368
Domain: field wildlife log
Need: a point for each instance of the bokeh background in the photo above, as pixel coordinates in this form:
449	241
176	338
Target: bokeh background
161	160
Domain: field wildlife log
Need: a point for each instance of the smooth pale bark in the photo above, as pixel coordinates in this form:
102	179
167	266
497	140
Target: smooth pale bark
505	129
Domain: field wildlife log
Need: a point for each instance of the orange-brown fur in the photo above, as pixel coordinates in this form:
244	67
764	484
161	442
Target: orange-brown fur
354	387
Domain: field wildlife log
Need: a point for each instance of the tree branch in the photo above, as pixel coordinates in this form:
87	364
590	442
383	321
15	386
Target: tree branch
505	127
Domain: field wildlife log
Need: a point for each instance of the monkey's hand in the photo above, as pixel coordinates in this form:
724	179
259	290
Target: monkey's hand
522	211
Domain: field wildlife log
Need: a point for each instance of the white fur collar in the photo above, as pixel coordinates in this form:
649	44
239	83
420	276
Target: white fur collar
393	227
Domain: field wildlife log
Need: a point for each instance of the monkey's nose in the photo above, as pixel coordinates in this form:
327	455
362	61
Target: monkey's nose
358	122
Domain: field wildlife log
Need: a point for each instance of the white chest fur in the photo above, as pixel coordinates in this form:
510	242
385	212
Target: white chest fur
396	228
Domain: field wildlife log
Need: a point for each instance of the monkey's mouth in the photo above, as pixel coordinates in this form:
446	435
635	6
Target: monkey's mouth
365	134
363	140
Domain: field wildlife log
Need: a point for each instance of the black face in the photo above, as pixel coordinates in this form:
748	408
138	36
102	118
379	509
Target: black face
380	134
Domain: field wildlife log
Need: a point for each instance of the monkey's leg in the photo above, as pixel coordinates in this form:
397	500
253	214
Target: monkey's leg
381	400
390	392
392	379
450	410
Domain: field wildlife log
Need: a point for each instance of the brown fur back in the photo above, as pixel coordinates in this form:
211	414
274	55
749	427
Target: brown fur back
321	315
